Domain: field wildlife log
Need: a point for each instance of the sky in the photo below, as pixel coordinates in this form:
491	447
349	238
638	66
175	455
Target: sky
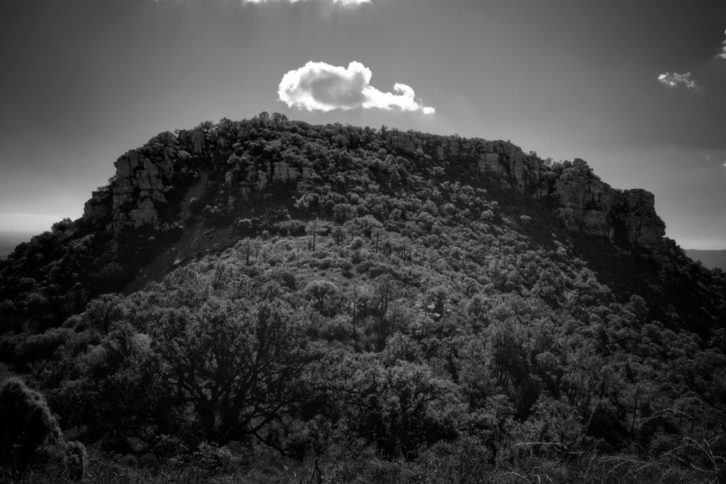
636	88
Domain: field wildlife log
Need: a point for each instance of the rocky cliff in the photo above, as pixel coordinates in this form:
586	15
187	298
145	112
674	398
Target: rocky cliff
139	193
582	201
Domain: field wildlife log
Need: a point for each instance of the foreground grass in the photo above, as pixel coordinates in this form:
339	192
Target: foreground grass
435	466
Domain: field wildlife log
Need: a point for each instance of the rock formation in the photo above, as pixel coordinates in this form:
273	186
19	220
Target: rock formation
138	193
583	201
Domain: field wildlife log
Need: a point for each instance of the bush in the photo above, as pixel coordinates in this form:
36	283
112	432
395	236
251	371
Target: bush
75	460
109	277
41	346
324	296
291	227
211	458
31	437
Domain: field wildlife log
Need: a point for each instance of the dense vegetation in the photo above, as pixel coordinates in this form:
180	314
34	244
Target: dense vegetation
383	313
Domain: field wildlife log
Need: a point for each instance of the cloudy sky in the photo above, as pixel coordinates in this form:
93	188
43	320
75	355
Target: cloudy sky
637	88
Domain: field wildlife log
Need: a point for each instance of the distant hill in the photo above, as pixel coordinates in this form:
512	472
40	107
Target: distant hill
710	258
10	240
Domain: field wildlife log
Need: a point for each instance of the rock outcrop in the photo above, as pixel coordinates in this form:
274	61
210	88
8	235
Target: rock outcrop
583	202
635	210
138	193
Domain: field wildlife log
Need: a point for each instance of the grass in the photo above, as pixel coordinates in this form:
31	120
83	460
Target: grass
432	467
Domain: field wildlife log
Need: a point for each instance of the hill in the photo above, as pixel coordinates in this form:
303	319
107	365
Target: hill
713	259
371	304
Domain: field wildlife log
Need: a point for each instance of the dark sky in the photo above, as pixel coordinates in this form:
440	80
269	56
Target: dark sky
82	81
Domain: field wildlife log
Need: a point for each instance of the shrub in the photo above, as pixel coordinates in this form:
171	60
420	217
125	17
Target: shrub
75	460
291	227
211	458
109	277
324	296
29	428
41	346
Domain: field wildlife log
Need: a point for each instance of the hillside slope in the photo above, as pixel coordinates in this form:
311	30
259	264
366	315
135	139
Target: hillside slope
393	306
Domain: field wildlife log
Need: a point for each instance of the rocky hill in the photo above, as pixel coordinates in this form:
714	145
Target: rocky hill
189	192
347	296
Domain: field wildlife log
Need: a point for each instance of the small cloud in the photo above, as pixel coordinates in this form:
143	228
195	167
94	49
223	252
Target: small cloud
676	79
318	86
344	3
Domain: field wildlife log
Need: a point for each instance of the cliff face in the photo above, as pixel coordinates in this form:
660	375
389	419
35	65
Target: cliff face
138	194
635	210
583	202
592	206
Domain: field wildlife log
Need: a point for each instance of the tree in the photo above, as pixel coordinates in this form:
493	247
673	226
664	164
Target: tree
324	296
238	368
117	389
312	229
338	235
400	408
29	427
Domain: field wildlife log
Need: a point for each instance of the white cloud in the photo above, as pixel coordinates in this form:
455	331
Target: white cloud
676	79
345	3
318	86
